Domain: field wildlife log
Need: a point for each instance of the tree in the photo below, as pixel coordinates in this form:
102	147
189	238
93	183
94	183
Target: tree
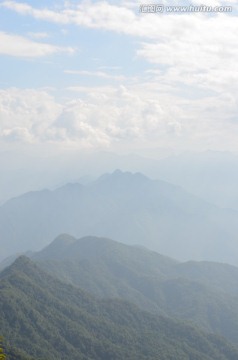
2	355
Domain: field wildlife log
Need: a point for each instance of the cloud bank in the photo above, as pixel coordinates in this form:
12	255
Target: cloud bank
187	96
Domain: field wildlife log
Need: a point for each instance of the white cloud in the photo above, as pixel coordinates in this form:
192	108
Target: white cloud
25	115
141	115
203	51
118	116
203	48
104	117
121	17
187	99
96	15
17	134
19	46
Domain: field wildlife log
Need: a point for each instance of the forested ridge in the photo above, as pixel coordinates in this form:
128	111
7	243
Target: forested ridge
200	292
48	319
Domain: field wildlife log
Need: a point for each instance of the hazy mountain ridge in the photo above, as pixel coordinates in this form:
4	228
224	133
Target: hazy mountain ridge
47	318
211	175
129	208
203	293
221	276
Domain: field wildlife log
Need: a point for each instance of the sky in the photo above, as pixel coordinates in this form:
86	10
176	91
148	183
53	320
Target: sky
103	75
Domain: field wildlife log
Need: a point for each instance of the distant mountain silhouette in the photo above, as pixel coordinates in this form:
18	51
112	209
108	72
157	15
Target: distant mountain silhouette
126	207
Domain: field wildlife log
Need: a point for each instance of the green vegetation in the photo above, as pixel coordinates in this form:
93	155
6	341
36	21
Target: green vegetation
15	354
11	353
2	354
202	293
48	319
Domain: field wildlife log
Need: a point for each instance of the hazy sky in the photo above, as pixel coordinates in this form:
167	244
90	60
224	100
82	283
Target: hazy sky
101	74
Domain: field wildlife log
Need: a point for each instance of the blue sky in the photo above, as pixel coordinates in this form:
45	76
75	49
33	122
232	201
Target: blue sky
101	75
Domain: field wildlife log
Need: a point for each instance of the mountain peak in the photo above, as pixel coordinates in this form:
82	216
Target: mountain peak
128	174
122	177
63	239
58	246
20	264
21	261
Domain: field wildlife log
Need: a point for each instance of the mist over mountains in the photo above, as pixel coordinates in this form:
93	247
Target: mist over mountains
146	258
118	180
130	208
212	175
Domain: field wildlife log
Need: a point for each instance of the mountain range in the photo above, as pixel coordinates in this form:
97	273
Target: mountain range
129	208
203	293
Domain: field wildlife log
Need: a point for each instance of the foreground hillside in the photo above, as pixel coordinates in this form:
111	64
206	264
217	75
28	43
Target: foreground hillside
16	354
49	319
202	292
126	207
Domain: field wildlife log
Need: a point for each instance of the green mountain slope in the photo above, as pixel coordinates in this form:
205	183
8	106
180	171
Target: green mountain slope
157	284
16	354
107	268
220	276
49	319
